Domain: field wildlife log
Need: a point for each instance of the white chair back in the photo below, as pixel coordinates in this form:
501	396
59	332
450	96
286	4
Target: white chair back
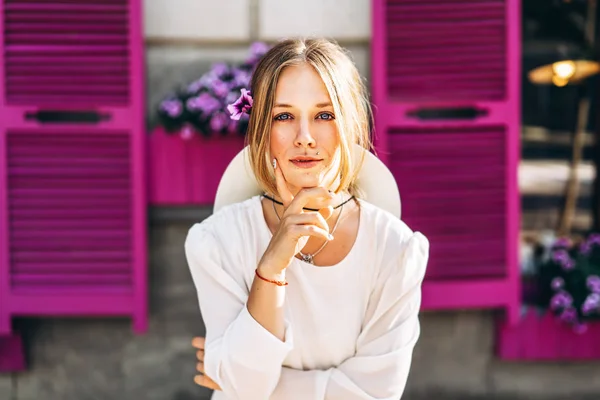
375	180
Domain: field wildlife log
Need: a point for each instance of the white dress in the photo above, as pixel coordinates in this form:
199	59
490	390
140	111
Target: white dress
350	327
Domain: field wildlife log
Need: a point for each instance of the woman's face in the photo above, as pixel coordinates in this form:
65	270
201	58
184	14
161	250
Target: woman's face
304	137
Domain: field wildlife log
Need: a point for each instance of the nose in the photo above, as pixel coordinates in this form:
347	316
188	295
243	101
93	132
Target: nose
304	137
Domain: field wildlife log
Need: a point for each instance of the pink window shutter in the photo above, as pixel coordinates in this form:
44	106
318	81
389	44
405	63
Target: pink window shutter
445	82
72	160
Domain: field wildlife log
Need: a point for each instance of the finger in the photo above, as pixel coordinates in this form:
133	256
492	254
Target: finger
198	342
326	212
299	231
205	381
282	187
309	218
200	367
319	196
200	355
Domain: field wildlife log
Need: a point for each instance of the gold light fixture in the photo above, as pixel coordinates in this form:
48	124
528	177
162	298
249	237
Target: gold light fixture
564	72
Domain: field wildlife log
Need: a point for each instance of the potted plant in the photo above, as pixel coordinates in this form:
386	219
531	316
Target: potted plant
561	304
197	137
569	281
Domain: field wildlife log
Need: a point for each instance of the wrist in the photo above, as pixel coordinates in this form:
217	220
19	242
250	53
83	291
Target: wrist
270	272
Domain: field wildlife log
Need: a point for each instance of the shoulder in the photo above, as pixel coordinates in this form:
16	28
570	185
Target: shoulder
386	227
223	246
400	248
226	226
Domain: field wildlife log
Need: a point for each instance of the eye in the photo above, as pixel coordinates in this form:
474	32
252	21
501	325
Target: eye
282	117
326	116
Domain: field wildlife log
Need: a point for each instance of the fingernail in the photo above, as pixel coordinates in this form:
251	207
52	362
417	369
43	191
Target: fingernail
274	163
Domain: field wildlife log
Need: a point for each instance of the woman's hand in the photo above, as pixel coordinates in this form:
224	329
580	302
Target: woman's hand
202	379
296	225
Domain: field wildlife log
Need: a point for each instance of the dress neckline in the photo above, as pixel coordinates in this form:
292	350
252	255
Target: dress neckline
349	256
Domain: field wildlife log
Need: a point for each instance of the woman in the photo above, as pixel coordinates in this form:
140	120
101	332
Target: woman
307	292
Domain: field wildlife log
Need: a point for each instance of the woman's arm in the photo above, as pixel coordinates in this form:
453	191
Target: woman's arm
265	302
247	336
241	355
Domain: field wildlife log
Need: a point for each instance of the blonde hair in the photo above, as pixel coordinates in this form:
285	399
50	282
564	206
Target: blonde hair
346	90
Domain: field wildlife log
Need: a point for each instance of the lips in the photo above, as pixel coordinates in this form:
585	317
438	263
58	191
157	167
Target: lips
305	161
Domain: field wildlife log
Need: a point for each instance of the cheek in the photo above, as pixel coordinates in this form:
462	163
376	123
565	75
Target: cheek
282	139
279	141
328	138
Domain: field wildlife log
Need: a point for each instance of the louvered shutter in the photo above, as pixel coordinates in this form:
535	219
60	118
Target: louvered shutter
446	88
73	203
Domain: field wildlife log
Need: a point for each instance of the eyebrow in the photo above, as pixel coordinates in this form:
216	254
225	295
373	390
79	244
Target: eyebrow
319	105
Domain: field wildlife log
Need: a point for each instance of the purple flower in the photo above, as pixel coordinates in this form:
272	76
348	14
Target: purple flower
205	82
196	86
594	238
219	122
585	248
204	103
591	303
557	283
242	105
241	78
569	315
561	300
569	265
257	50
562	242
593	283
562	257
172	107
220	88
219	70
231	97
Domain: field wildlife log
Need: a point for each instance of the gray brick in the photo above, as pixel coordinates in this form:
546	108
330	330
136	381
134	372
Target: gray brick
546	379
452	353
6	386
156	368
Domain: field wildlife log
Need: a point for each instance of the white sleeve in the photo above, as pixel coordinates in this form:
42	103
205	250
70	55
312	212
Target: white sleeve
241	356
379	369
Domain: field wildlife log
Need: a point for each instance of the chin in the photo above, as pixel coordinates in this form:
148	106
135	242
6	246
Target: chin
305	182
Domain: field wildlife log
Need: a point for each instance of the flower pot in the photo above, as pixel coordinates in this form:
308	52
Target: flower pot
188	171
545	338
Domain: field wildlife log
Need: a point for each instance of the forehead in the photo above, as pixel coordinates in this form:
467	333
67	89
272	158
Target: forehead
300	82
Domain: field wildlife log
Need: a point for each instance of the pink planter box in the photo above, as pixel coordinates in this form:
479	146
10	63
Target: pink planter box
545	338
187	172
12	355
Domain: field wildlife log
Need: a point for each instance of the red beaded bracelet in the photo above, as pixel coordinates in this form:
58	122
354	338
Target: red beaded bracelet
278	283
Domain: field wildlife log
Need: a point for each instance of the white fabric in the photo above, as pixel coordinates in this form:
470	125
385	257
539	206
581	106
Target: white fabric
350	327
375	180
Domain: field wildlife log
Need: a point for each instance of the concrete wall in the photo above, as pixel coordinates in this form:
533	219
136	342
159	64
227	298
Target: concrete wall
78	359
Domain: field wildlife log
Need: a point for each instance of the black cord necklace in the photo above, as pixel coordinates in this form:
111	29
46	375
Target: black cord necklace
306	208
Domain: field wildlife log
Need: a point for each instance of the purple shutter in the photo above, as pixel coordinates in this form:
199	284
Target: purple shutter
72	182
435	65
